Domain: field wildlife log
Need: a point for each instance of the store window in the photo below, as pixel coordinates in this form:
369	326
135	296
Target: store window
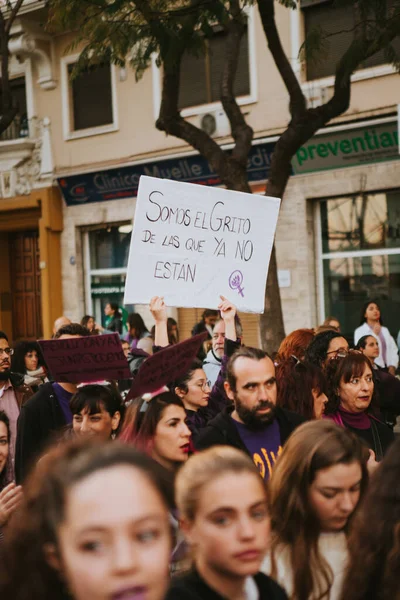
360	253
107	251
337	19
201	75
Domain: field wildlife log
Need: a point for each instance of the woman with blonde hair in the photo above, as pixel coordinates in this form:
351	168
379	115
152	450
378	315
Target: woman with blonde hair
223	509
314	489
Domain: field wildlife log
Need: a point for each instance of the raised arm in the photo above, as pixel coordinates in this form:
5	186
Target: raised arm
159	312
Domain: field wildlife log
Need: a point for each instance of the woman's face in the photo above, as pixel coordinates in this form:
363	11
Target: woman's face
90	324
320	401
371	348
198	391
114	543
170	444
31	360
108	310
100	425
356	395
336	346
4	445
231	528
372	312
334	494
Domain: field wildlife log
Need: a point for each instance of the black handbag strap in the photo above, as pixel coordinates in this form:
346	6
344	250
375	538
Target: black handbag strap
377	441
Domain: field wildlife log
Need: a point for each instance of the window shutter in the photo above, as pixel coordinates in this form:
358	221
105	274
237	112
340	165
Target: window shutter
193	87
217	58
92	98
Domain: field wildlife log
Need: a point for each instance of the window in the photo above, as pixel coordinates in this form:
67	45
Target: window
89	100
107	251
201	75
91	97
360	253
19	127
335	18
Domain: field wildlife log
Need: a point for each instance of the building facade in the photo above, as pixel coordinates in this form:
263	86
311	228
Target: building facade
89	140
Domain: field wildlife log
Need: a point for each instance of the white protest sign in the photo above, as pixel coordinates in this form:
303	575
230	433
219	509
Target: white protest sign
192	243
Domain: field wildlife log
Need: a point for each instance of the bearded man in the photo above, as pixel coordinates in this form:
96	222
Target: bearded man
253	423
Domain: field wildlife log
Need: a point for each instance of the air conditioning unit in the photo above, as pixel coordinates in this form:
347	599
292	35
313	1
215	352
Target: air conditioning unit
215	123
317	95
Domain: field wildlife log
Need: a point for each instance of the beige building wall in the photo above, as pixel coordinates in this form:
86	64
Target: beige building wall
375	92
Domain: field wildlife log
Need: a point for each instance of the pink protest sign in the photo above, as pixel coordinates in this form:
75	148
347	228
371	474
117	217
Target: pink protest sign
86	359
165	366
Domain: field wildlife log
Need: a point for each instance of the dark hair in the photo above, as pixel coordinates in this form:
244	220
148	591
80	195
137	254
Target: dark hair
6	475
182	381
312	447
171	337
344	369
136	322
362	342
295	382
85	320
92	398
142	418
3	336
72	329
43	509
375	536
316	352
115	308
209	312
364	308
242	352
20	351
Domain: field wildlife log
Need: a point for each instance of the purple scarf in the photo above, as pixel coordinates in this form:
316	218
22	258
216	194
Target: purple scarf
344	418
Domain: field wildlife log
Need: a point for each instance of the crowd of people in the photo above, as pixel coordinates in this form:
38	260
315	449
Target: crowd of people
246	477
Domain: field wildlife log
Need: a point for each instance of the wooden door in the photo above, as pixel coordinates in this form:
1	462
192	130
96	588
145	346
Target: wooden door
25	285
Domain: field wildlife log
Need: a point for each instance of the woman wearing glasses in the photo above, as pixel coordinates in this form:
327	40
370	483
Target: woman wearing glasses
325	347
352	402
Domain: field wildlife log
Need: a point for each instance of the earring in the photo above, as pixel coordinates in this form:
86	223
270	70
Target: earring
113	435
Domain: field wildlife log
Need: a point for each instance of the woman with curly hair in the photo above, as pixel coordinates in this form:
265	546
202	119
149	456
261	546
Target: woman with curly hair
374	544
324	347
314	490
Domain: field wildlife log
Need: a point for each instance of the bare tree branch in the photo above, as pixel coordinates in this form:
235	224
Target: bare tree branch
13	15
242	133
297	99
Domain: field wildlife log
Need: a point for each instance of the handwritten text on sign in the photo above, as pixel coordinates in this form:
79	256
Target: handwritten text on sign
85	359
192	243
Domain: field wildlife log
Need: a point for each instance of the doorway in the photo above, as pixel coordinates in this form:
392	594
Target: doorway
25	285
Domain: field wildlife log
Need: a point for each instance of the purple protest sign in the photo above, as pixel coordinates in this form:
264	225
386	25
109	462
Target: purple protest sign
165	366
86	359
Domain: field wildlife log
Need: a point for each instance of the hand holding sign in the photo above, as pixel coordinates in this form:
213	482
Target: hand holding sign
228	314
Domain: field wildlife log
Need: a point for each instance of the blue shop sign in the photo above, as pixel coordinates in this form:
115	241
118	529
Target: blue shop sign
113	184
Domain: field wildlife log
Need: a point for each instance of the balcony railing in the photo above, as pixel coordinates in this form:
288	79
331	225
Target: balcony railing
19	128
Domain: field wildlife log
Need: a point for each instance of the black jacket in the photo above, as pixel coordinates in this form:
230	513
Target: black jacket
39	420
193	587
222	430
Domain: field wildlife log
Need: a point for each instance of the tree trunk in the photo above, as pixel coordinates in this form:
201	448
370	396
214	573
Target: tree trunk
272	329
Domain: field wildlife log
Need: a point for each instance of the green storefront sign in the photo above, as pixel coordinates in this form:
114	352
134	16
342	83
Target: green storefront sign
348	148
101	289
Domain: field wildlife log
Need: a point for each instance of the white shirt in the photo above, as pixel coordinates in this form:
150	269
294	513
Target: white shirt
332	546
392	353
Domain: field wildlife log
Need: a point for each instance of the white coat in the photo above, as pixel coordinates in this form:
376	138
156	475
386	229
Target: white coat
392	355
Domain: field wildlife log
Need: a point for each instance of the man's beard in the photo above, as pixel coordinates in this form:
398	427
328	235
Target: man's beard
251	418
4	375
